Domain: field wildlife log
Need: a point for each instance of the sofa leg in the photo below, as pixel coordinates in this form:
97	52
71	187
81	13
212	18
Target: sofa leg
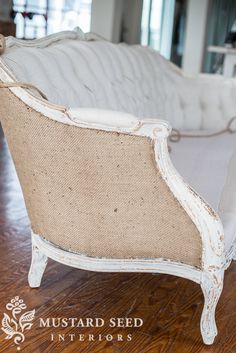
212	284
37	268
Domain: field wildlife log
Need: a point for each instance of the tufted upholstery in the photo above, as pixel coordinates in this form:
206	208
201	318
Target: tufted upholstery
132	79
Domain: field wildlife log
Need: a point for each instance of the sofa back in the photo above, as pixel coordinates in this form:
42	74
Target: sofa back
133	79
94	74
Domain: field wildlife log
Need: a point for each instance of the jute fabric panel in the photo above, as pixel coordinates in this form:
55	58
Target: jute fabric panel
95	192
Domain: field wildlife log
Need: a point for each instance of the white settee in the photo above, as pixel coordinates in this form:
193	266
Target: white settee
95	85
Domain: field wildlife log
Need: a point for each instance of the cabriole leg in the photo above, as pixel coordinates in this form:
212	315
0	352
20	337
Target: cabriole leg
212	284
37	268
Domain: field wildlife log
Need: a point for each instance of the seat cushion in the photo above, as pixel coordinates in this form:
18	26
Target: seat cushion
203	163
227	207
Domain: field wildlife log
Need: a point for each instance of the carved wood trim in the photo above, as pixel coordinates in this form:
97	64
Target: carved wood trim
113	265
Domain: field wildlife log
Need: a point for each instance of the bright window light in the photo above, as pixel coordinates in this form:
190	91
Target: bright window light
37	18
157	25
151	23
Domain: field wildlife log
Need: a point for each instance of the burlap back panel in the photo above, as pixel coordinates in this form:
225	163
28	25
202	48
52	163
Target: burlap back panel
94	192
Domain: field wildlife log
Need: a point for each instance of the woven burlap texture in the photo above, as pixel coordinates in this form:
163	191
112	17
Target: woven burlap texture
94	192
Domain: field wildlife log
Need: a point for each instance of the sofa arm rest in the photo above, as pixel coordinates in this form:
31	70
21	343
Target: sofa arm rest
110	120
206	220
156	131
202	215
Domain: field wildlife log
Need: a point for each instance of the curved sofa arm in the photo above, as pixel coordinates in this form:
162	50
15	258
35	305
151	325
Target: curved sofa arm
205	219
203	216
110	120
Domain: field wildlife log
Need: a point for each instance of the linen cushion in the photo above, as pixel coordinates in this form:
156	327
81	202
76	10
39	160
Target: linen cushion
204	164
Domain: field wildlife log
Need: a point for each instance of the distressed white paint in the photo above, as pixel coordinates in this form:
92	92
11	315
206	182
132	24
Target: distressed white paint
212	285
38	264
214	259
113	265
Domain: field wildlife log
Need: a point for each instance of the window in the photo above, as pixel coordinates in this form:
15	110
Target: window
157	25
37	18
151	23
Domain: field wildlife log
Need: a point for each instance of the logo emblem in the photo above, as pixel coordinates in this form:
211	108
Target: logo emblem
16	323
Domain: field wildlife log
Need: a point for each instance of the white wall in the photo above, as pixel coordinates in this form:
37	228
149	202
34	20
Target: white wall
106	18
132	13
109	18
197	13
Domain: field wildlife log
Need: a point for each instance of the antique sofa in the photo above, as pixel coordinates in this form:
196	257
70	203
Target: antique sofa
99	183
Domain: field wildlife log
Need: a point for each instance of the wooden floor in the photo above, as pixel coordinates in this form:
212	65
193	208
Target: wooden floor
169	306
